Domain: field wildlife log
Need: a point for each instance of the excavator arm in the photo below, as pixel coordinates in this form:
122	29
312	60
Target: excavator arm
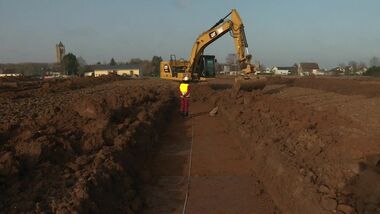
235	26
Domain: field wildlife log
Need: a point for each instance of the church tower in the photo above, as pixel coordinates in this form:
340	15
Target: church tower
60	52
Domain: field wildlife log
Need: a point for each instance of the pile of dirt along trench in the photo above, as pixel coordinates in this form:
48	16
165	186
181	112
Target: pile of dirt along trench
81	150
295	151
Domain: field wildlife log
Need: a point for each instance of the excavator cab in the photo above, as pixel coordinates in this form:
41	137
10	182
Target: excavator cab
206	66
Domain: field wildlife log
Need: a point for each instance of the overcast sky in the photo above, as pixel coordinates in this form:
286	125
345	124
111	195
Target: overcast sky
279	32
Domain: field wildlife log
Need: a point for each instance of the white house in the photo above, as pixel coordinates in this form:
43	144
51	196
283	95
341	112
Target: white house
54	75
281	70
89	74
12	73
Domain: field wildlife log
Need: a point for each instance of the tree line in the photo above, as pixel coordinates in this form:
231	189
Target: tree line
373	68
148	67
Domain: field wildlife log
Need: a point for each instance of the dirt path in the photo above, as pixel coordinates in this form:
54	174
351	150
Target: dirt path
221	178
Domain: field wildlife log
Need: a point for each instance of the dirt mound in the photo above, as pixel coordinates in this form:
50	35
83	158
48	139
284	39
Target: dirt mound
27	87
301	153
79	150
369	87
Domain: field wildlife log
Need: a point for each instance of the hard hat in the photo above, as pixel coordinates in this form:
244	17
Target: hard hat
186	78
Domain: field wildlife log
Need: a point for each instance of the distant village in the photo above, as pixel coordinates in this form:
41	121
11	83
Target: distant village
139	68
56	70
300	69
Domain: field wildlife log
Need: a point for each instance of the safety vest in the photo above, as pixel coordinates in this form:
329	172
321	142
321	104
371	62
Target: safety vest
184	87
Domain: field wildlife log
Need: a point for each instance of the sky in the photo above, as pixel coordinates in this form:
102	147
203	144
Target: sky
279	32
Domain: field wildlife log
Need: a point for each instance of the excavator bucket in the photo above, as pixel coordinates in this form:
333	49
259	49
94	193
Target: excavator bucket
249	83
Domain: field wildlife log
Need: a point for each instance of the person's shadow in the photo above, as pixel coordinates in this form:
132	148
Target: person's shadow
363	191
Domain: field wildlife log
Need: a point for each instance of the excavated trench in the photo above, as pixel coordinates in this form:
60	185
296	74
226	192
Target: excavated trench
121	147
221	178
298	157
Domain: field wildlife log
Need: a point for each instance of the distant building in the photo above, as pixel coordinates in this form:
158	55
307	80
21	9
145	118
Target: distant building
337	71
282	70
361	71
9	73
231	70
357	70
308	68
60	52
88	74
54	75
347	70
121	70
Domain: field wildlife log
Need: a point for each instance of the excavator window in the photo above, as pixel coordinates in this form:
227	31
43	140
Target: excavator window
166	68
207	66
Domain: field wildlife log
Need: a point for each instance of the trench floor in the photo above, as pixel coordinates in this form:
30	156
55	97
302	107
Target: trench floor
221	180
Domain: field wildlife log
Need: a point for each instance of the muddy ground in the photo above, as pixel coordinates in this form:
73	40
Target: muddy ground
302	145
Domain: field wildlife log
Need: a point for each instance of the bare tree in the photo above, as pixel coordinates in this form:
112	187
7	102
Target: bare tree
81	61
374	62
135	61
155	63
362	65
342	65
113	62
353	64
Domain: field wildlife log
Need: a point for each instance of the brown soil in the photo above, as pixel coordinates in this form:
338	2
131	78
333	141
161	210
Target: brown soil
28	87
302	145
222	179
314	141
78	150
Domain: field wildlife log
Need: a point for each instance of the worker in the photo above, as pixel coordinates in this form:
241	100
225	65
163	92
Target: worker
184	93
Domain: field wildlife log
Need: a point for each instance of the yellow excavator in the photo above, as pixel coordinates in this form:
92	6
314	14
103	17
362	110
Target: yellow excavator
200	67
